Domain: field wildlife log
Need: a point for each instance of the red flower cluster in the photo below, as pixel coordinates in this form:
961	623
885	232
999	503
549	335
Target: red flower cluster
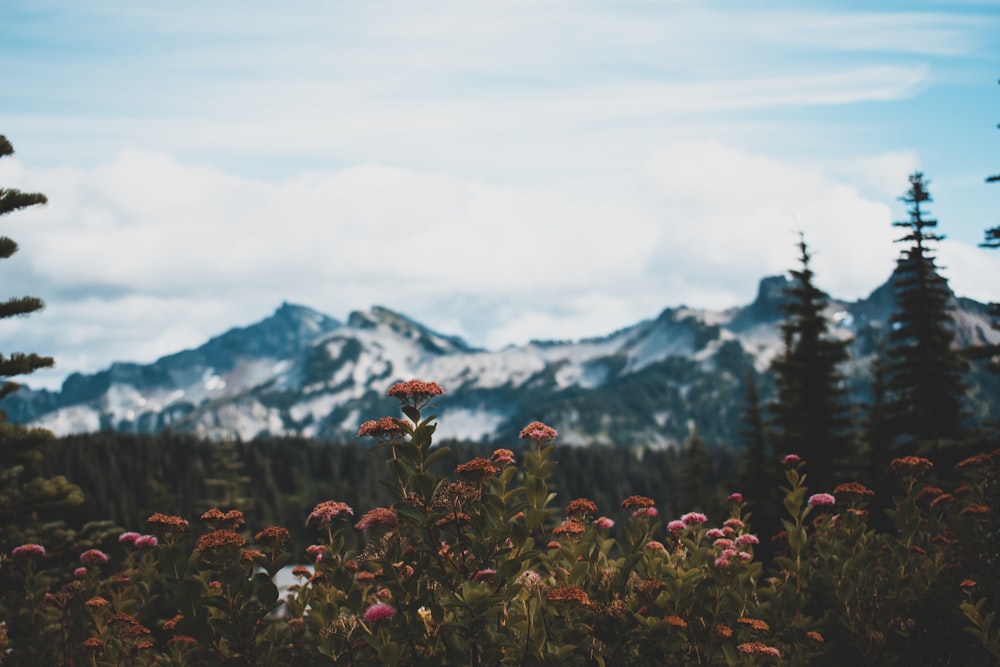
581	508
219	539
852	489
759	648
503	457
327	511
637	502
569	594
910	465
273	536
415	393
381	517
477	469
538	432
385	428
167	521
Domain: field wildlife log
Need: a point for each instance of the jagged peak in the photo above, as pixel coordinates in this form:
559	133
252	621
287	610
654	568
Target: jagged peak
407	327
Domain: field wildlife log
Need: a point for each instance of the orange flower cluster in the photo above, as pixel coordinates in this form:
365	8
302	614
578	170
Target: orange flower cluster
815	636
754	623
327	511
852	489
538	432
569	594
215	516
676	621
637	502
569	528
910	465
456	494
459	519
273	536
415	393
983	459
250	556
167	521
382	517
385	428
929	491
133	628
219	539
759	648
723	630
581	508
93	643
502	456
478	469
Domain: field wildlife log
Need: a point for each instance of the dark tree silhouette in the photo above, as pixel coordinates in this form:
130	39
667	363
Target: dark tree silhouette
23	500
811	415
924	375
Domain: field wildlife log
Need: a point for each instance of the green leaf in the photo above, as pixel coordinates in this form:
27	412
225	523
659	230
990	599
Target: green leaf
436	455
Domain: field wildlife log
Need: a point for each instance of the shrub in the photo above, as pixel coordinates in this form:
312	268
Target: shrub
482	567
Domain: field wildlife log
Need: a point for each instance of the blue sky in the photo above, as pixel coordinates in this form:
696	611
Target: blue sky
499	170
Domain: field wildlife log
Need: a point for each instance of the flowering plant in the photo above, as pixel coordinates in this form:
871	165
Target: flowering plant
480	566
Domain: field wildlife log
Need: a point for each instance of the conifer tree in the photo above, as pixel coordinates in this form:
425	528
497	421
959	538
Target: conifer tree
23	502
992	235
924	375
991	239
758	475
694	486
811	415
227	480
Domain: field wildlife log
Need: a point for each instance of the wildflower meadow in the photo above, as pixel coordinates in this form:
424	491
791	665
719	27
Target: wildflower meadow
484	565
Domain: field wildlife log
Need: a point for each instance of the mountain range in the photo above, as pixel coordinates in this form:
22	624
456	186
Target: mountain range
300	372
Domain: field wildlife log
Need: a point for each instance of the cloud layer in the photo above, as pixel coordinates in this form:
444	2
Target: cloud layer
144	256
499	170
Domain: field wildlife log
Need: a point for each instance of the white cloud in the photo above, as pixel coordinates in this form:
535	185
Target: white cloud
145	256
503	171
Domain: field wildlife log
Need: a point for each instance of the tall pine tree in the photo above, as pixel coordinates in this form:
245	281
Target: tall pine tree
811	415
992	236
925	386
759	475
991	239
23	501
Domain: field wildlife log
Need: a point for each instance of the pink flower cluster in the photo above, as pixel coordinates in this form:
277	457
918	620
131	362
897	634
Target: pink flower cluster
604	523
503	457
821	500
137	540
379	612
29	550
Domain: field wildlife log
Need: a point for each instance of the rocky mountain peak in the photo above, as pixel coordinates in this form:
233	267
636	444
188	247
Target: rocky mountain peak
403	326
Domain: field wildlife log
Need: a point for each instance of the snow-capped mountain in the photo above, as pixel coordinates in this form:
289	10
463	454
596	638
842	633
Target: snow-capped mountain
299	372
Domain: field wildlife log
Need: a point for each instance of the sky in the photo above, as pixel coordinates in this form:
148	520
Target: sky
501	171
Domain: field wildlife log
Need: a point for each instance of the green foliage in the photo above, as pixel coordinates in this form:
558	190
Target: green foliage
479	564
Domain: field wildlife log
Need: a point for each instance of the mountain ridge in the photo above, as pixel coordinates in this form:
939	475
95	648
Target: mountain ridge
300	372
